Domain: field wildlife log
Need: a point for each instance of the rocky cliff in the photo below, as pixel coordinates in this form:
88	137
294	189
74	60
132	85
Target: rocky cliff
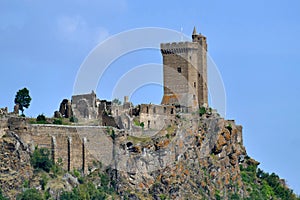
195	157
15	168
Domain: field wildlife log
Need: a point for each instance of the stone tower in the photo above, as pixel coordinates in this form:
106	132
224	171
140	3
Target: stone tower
185	72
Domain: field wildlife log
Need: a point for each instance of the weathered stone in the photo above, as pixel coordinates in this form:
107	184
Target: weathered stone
185	72
65	108
16	109
15	165
57	114
71	179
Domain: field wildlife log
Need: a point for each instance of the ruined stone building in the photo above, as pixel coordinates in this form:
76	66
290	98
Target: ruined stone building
185	90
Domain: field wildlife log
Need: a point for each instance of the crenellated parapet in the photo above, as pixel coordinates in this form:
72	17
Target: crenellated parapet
178	47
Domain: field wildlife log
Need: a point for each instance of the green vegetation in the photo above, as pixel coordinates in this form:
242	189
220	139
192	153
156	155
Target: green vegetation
170	129
229	127
44	180
263	185
142	125
138	123
40	159
84	192
23	99
30	194
136	140
57	121
202	111
163	197
73	119
111	133
48	172
116	101
87	190
217	195
41	118
1	196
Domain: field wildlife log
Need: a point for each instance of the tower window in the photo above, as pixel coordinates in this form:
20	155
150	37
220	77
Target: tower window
179	69
194	84
194	97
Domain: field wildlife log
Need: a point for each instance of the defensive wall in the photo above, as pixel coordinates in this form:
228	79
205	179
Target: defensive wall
74	147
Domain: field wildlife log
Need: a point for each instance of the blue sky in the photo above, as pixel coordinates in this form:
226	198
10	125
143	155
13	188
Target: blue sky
255	45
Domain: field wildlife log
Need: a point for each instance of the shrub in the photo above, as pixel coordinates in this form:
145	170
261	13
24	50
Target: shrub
73	119
84	191
202	111
41	118
40	159
57	121
1	196
44	181
31	194
163	196
26	184
142	124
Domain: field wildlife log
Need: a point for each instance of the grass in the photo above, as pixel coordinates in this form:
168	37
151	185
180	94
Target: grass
136	140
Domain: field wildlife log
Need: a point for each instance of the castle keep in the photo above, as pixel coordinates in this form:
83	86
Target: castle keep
185	72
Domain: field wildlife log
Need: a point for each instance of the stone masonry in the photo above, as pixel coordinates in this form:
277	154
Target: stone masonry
185	72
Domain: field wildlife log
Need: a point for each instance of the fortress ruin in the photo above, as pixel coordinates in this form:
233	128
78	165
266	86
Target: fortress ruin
77	145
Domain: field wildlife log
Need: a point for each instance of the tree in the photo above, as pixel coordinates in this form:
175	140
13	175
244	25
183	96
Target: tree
23	99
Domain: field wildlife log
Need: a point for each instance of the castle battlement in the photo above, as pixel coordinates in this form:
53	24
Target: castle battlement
178	47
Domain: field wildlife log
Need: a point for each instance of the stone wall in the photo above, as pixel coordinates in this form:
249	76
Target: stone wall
185	72
78	147
84	106
156	116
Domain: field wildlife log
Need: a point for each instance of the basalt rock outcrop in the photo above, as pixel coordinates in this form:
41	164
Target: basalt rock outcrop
15	168
196	158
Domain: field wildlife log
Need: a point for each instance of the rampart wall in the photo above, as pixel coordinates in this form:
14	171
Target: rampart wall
75	147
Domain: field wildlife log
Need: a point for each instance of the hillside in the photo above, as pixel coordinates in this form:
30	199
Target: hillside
195	157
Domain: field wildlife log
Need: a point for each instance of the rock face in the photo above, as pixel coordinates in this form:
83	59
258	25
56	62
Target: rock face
15	167
199	158
191	158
